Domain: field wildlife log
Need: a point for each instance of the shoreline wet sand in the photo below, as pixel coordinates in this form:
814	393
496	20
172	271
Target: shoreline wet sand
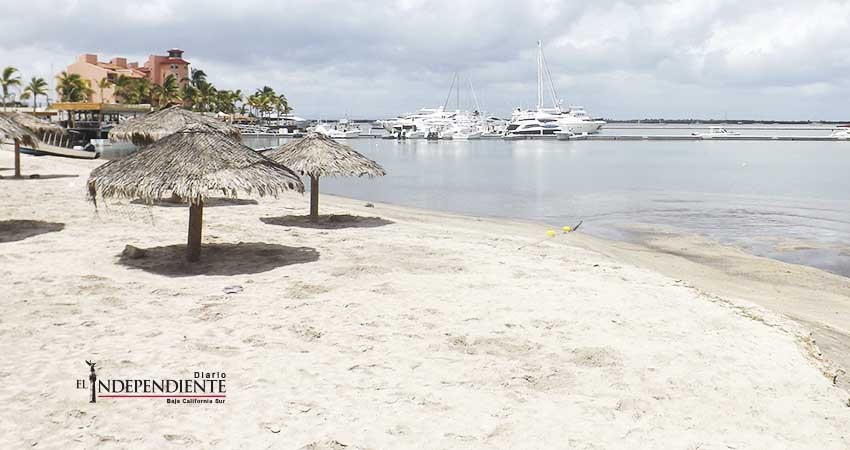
396	328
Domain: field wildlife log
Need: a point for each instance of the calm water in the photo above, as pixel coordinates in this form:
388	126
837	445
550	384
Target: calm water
785	200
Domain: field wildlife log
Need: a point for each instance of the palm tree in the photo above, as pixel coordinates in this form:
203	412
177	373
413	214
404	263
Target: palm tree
141	91
198	76
73	88
103	84
122	87
168	93
283	104
189	95
9	79
37	86
206	95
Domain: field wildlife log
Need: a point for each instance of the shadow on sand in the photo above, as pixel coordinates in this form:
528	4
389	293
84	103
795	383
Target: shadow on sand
220	259
35	176
16	230
331	221
210	203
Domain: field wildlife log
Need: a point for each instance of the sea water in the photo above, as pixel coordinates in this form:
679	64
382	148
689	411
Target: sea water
788	200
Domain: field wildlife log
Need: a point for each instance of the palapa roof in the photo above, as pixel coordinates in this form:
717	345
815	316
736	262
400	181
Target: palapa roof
319	155
190	163
12	130
155	126
35	124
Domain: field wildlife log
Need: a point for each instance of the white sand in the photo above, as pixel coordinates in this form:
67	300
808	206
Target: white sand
431	331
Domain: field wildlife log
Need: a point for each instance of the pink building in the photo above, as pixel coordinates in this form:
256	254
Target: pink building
156	69
160	67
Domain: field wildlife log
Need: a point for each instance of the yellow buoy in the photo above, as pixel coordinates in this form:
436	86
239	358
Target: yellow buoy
550	233
567	229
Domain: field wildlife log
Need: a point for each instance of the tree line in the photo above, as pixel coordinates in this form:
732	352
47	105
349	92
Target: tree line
194	92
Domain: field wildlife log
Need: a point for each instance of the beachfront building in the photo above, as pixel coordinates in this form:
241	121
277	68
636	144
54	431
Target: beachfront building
156	69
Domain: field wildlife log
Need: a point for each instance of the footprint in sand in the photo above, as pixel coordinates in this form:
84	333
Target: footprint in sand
300	291
181	439
499	346
597	357
330	445
306	332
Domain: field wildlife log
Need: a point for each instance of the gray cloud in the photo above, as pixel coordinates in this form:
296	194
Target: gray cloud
768	59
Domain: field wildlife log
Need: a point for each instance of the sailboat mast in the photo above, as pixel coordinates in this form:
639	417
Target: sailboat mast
539	74
449	97
548	76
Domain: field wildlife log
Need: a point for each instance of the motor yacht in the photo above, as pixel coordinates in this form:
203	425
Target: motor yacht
716	132
544	121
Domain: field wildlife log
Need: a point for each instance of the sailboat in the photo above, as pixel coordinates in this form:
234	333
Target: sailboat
553	121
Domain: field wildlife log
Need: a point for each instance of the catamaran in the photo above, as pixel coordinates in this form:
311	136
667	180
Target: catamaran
544	121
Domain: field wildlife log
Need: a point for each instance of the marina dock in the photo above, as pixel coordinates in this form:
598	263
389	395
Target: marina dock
674	137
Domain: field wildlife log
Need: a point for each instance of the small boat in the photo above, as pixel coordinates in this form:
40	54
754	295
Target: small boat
70	146
841	133
716	132
78	152
466	135
342	130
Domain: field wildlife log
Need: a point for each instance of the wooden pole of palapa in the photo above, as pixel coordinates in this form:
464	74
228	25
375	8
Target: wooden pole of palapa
196	221
314	198
17	158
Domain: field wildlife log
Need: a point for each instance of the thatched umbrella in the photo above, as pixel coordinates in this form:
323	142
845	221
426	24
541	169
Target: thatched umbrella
152	127
317	155
18	134
190	163
38	126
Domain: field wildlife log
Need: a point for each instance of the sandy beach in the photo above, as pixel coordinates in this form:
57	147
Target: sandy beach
400	328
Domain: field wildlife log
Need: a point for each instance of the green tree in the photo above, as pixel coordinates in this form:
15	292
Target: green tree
102	85
123	86
73	88
140	91
189	95
168	93
8	80
37	86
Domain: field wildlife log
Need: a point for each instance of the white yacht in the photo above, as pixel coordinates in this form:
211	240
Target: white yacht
716	132
466	134
442	123
841	133
576	121
548	121
419	124
341	130
541	122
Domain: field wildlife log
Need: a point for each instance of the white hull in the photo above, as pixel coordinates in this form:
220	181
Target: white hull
581	127
466	136
337	133
51	150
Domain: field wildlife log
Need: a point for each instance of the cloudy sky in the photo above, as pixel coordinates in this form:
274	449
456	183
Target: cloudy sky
622	59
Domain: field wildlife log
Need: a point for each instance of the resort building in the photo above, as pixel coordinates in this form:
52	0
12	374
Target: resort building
156	69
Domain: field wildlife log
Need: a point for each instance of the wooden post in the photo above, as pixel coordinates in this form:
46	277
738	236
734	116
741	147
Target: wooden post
314	198
196	219
17	158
